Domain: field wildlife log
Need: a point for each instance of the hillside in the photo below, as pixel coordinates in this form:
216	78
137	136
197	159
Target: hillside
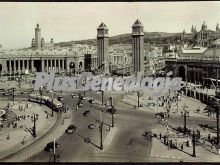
152	37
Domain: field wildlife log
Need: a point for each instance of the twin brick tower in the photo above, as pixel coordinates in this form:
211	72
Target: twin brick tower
38	43
137	47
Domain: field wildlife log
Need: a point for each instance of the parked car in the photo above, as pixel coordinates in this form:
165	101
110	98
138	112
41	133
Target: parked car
87	140
82	97
60	98
50	91
86	113
80	104
50	146
70	129
6	93
91	126
73	95
91	101
24	92
111	110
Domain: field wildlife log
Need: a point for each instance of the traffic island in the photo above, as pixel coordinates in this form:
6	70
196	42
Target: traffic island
169	146
19	134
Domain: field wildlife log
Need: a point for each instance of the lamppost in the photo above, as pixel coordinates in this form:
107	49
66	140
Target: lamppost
52	103
194	144
19	82
177	104
111	104
185	114
13	94
139	94
102	92
41	93
216	103
34	127
101	129
55	156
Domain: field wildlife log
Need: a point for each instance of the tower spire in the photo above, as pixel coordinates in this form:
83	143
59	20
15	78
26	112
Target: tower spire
217	27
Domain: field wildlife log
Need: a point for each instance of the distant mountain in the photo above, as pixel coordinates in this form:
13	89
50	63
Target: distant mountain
152	37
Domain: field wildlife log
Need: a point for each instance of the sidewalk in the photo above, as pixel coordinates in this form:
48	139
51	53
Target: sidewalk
23	131
55	132
160	150
193	104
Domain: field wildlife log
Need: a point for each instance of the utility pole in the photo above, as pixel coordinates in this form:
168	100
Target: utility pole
13	94
54	150
102	97
111	101
34	127
194	144
52	103
185	115
101	140
216	103
19	82
41	95
217	117
138	94
177	101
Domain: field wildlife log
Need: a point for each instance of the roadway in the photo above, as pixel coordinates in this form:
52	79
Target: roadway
128	139
128	144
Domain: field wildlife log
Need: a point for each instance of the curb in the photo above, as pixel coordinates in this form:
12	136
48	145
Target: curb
34	141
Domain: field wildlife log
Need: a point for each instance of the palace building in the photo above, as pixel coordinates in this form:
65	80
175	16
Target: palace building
45	57
204	37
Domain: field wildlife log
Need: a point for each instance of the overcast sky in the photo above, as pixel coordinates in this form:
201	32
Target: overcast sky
76	21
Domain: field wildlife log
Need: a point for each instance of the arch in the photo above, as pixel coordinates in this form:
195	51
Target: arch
80	64
72	65
182	73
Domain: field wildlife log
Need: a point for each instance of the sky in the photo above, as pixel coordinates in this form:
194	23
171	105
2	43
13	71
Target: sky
67	21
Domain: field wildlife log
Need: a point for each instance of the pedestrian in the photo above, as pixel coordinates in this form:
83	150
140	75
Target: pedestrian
181	147
160	136
164	139
209	136
8	137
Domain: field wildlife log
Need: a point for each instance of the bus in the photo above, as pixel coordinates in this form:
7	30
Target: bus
54	104
37	98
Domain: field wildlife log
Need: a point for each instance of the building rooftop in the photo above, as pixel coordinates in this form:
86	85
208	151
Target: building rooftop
194	50
137	23
102	26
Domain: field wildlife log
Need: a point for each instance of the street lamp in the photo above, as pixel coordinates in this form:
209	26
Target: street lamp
101	140
102	92
34	127
111	103
185	114
13	94
139	94
194	144
55	156
52	103
216	102
41	93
